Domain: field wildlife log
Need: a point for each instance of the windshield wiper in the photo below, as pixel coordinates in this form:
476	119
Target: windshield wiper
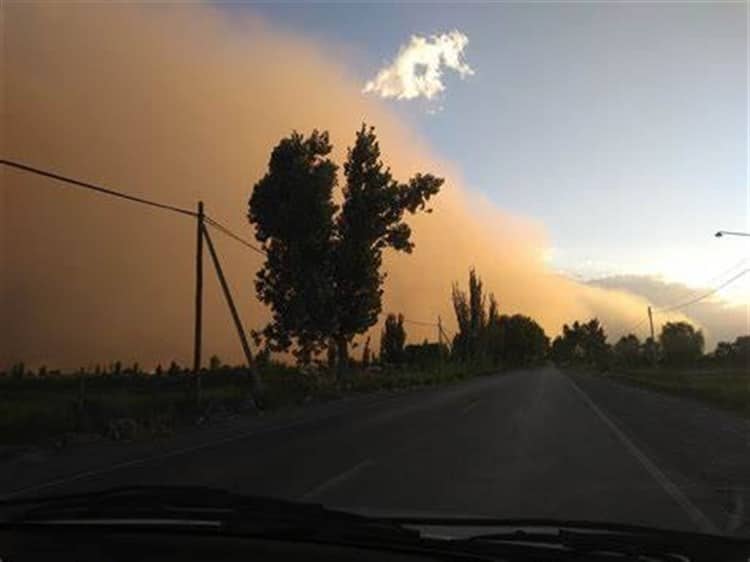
256	516
171	508
628	540
196	505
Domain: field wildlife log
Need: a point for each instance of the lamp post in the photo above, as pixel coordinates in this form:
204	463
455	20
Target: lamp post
721	233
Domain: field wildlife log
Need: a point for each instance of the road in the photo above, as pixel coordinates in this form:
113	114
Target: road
533	443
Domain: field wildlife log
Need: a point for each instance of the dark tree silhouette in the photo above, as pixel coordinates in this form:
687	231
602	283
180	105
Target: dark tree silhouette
471	317
366	355
485	335
650	350
322	277
392	340
627	351
371	220
681	343
214	363
523	340
494	333
582	343
292	209
736	353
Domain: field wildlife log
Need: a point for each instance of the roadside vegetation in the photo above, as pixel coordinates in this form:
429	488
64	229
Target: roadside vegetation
674	363
60	409
128	403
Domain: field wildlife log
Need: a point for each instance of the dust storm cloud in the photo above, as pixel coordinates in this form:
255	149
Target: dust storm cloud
184	103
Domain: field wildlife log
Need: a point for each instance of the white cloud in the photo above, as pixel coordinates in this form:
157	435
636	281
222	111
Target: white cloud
418	69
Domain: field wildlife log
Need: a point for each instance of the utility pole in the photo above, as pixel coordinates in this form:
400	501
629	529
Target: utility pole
233	311
440	332
651	323
230	301
198	291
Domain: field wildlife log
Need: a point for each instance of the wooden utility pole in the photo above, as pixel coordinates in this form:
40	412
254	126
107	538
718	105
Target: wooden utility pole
198	291
651	323
233	310
440	331
229	299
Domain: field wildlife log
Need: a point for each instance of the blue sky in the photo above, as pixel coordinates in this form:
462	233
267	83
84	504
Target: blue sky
621	128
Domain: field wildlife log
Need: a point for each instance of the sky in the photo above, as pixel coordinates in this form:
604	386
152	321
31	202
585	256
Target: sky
621	128
590	151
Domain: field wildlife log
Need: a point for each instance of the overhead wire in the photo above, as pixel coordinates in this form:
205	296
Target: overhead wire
164	206
697	299
689	292
705	295
225	230
421	323
97	188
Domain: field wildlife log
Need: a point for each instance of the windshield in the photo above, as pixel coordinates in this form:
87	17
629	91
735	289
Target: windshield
418	260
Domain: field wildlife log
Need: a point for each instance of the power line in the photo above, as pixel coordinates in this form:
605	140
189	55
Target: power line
98	188
705	295
420	323
688	292
221	228
668	308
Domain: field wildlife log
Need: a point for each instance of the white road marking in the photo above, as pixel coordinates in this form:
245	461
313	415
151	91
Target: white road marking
696	515
336	480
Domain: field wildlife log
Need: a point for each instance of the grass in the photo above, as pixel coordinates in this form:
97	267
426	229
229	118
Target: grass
42	409
727	388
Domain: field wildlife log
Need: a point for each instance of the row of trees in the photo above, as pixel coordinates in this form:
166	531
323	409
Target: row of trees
679	344
485	335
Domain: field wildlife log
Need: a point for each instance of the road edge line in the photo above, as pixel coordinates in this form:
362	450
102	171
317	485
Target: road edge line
698	518
335	480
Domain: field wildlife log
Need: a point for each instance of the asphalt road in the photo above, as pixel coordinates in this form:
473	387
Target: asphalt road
535	443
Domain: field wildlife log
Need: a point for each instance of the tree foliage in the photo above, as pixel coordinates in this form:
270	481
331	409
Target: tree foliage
581	343
523	340
392	340
292	209
627	351
471	318
486	335
735	353
371	221
323	274
681	343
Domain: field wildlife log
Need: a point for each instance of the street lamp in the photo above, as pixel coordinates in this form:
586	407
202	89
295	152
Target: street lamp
721	233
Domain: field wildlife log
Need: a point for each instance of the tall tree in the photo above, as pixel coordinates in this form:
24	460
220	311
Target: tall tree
495	332
292	209
392	340
371	221
583	343
323	276
471	317
627	350
681	343
524	341
594	340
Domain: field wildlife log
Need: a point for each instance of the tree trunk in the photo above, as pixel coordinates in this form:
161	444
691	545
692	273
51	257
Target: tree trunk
342	349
